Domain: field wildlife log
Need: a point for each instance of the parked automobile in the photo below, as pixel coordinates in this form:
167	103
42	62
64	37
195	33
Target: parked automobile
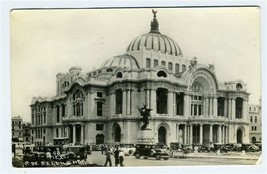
150	150
221	147
259	145
128	149
250	147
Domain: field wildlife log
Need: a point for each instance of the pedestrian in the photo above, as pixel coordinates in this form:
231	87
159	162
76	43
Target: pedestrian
121	157
108	159
88	149
116	156
102	149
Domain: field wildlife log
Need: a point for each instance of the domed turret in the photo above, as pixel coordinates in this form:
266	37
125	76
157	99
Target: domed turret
121	61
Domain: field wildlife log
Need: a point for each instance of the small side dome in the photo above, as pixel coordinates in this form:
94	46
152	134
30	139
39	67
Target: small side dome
121	61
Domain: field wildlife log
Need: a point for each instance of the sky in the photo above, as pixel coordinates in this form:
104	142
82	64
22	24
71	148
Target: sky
46	42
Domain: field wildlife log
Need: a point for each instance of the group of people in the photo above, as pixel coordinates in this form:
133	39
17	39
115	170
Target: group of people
118	156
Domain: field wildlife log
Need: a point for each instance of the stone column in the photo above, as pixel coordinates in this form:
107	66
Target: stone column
153	102
82	134
225	108
204	105
186	105
185	134
211	134
174	104
219	134
227	135
124	102
245	110
147	97
210	108
189	104
233	108
128	102
170	103
201	134
223	134
230	109
215	108
74	134
112	104
191	133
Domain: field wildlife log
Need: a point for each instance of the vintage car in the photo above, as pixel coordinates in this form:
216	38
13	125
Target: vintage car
250	147
222	147
128	149
150	150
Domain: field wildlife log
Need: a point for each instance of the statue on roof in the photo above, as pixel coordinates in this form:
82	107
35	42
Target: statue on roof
155	13
145	113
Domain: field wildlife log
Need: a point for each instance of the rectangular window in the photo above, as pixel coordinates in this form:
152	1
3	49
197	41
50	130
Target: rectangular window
99	108
170	66
176	68
148	63
58	113
255	128
251	119
199	109
180	104
119	99
44	131
63	110
195	109
162	63
44	117
99	127
156	63
56	132
99	94
252	128
255	119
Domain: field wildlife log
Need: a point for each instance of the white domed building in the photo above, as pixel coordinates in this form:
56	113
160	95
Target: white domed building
188	102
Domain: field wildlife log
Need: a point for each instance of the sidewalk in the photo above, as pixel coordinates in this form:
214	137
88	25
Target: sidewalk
222	156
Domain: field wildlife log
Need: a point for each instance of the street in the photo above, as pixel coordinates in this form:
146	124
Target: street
132	161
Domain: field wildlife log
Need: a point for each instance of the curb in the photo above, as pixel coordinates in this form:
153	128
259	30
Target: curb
225	157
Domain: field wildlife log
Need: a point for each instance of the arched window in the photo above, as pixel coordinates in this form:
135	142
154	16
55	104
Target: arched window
119	75
148	62
239	86
156	62
176	68
183	68
163	63
78	99
170	66
109	70
100	71
162	74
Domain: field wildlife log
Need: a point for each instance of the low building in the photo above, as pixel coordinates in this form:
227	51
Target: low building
26	132
255	127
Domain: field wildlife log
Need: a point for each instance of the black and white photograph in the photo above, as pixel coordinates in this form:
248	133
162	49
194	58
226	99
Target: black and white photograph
136	87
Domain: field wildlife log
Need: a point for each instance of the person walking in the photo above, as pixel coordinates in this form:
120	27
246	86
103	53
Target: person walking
116	156
108	159
121	157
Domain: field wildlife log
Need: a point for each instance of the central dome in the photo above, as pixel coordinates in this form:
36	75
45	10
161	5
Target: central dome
156	41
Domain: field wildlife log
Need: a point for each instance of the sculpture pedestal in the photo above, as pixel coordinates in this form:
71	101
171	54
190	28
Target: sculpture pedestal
145	137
